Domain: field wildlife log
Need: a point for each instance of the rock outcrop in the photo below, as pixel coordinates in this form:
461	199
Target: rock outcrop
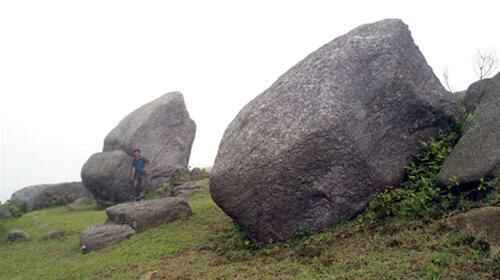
99	236
477	154
334	130
43	196
164	132
146	214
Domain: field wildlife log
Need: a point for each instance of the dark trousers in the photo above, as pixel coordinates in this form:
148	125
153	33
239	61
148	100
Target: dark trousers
138	181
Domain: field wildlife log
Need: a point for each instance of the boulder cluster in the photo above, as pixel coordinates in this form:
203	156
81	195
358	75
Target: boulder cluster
309	152
161	129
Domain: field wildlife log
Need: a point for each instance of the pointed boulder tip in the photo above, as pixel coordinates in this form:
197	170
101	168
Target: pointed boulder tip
172	95
390	25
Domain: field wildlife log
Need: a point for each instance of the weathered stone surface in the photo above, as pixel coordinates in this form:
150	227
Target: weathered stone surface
163	130
17	235
43	196
482	223
186	189
338	127
106	175
99	236
146	214
481	91
477	154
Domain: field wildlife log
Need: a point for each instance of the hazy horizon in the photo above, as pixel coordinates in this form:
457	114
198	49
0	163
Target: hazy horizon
72	70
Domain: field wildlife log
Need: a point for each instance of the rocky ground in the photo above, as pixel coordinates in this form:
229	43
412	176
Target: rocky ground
209	246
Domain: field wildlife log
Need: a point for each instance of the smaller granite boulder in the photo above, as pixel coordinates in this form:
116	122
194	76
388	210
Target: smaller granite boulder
477	154
482	223
17	235
146	214
99	236
42	196
106	176
480	91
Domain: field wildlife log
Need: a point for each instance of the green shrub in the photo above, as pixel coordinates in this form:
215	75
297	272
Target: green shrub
420	195
16	208
180	177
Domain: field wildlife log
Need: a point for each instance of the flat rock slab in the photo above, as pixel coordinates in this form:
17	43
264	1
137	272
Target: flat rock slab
17	235
99	236
146	214
482	223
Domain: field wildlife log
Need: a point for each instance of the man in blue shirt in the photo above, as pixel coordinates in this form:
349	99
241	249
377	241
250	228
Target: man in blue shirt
138	172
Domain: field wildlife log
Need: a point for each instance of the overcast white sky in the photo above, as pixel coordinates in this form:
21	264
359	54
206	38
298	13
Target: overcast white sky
71	70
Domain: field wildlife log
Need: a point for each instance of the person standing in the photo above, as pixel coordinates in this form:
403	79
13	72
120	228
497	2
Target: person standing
138	173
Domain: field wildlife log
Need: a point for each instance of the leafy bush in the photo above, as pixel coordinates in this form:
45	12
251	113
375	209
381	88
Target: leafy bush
180	177
420	195
16	208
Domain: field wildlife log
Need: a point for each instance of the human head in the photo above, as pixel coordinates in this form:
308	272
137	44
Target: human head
137	153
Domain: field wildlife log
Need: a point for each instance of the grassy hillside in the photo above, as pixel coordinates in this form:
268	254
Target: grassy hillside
208	246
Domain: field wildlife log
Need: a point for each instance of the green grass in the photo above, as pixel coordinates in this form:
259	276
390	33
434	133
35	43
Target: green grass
208	246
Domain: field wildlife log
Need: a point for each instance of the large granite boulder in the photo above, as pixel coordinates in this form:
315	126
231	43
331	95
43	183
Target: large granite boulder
335	129
106	175
164	132
100	236
477	154
43	196
146	214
